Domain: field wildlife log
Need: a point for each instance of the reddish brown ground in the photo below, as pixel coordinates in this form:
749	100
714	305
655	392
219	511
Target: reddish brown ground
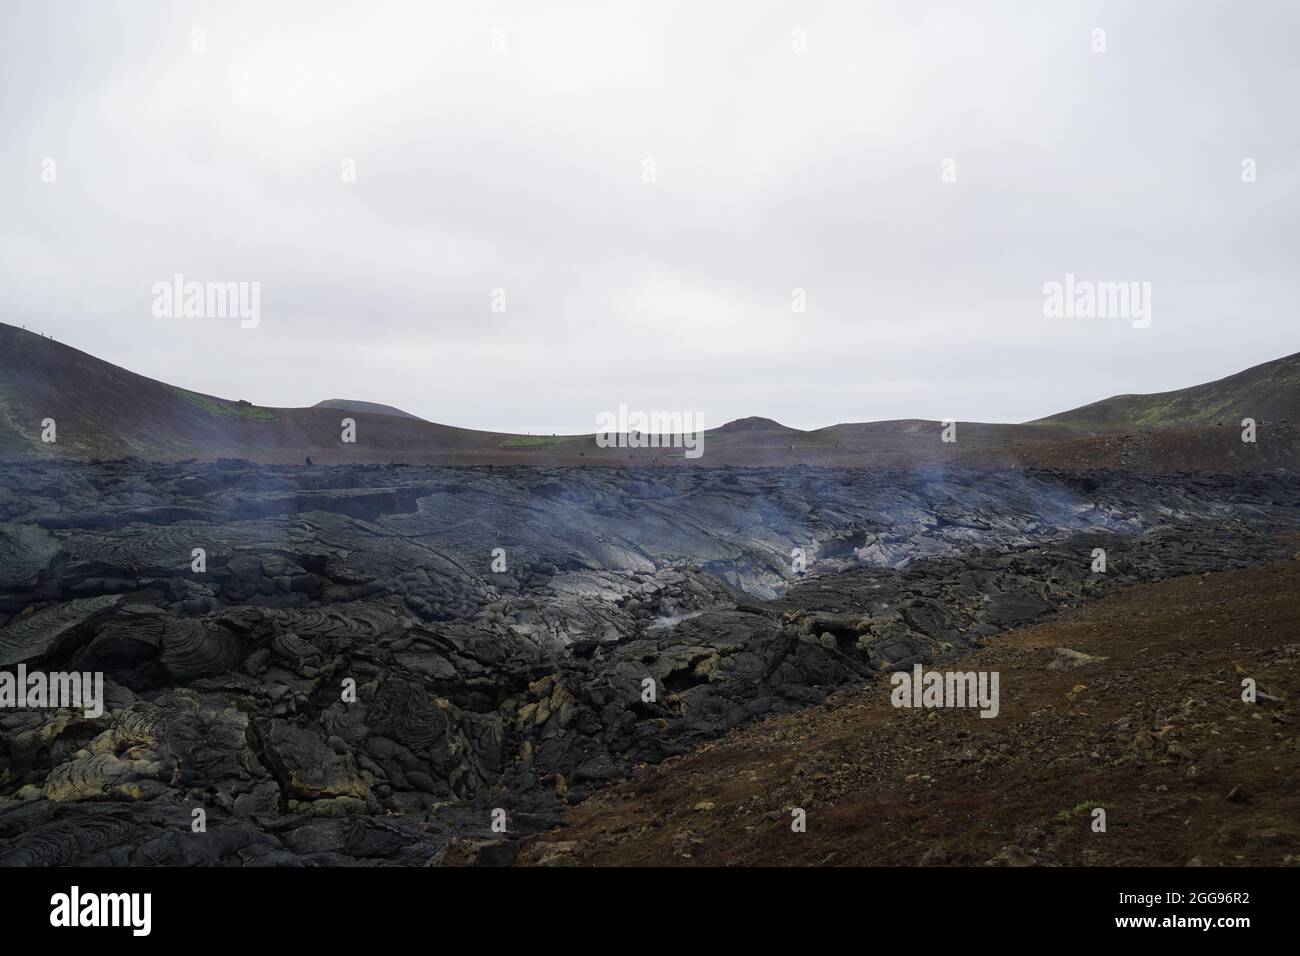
1157	734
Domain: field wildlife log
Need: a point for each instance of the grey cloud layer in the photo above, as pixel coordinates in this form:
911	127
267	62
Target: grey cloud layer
522	170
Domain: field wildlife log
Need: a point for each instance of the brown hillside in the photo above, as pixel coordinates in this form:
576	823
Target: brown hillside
1132	704
103	411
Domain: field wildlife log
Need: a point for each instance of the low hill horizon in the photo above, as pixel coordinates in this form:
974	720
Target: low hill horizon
1270	391
103	411
372	408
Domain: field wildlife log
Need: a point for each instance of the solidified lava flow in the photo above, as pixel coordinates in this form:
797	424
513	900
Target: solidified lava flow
361	663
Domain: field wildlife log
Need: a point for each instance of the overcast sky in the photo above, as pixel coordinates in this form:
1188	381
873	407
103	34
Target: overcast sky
524	169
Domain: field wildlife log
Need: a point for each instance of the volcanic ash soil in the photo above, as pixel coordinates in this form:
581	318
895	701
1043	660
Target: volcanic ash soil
1132	705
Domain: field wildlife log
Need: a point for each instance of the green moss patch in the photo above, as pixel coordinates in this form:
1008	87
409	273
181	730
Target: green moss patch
531	441
222	408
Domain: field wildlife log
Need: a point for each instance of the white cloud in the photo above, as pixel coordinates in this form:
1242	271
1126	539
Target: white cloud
522	170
